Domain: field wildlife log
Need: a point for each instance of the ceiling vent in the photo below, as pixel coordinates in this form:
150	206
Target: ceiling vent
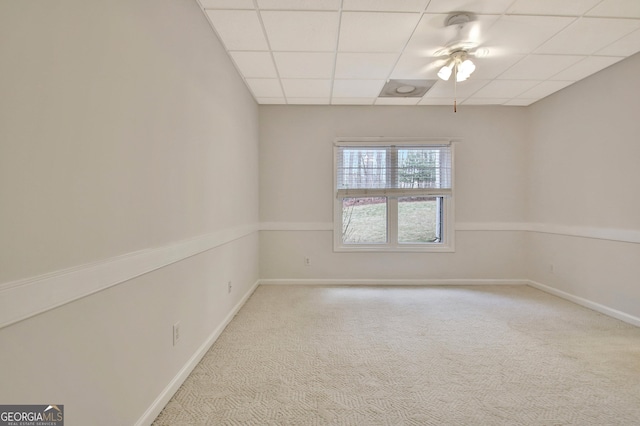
406	88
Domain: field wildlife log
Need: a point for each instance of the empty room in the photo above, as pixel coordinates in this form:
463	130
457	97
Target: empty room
319	212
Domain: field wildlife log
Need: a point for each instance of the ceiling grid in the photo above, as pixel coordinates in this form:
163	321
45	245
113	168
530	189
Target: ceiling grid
344	51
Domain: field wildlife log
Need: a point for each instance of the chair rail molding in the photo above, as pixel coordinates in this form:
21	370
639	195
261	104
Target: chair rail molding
25	298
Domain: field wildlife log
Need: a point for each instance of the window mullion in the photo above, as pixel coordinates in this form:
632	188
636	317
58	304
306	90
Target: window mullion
392	221
392	167
392	202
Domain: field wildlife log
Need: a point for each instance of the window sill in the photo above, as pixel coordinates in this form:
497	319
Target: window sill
394	249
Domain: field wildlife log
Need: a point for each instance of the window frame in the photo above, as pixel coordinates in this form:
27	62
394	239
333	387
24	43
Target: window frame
392	244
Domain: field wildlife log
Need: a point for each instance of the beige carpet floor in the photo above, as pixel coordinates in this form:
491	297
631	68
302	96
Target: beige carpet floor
490	355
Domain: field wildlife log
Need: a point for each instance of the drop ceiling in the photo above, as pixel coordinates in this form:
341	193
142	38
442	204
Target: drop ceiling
341	52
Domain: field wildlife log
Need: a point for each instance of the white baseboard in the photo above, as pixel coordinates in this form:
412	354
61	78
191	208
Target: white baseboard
630	319
156	407
398	282
622	316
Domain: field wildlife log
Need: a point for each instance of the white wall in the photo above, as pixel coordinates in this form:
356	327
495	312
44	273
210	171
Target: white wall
584	182
296	191
563	171
125	132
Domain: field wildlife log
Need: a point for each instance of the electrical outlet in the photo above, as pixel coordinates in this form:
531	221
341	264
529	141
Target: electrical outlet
307	261
176	333
229	287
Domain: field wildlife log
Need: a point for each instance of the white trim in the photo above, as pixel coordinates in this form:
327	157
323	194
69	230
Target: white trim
614	313
25	298
447	243
328	226
492	226
392	282
296	226
610	234
622	316
167	393
393	192
399	248
390	140
165	396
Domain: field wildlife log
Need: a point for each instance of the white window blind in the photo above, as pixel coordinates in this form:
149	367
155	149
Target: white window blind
393	170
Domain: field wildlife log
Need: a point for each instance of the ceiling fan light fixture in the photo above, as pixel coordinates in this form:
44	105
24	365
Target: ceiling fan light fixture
464	70
467	67
445	71
459	51
459	65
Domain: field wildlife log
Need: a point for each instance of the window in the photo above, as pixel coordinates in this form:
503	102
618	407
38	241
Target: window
393	196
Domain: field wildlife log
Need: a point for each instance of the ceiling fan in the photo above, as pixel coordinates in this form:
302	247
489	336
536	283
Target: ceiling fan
461	42
455	58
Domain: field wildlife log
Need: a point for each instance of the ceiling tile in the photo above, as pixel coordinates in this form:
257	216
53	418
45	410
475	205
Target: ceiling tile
352	101
445	89
545	89
238	29
485	101
430	35
475	6
539	67
308	101
626	46
306	88
299	4
271	101
436	101
397	101
520	102
505	88
494	65
586	67
227	4
414	67
385	5
265	87
588	35
304	64
535	47
357	88
522	34
621	8
552	7
255	64
364	65
376	31
301	31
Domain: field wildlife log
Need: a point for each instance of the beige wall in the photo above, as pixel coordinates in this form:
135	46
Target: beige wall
124	127
583	155
296	180
121	127
564	171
